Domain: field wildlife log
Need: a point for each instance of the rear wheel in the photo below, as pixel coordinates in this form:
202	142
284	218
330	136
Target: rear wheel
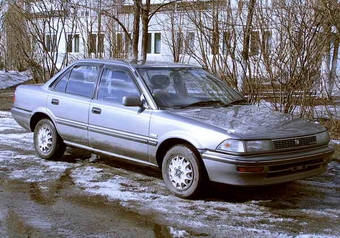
183	171
47	142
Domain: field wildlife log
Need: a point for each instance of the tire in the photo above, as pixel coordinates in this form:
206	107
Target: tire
47	142
183	172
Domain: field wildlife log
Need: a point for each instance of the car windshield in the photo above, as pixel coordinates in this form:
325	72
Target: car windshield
187	87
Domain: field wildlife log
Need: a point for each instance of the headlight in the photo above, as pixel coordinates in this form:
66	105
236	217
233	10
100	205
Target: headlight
238	146
322	137
232	146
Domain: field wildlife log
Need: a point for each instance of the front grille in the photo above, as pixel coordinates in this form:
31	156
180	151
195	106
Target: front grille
294	142
299	167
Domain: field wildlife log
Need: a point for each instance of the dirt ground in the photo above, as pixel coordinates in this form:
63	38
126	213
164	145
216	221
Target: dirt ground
6	99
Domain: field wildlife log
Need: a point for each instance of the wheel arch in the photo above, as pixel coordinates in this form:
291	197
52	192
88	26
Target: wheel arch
37	117
167	144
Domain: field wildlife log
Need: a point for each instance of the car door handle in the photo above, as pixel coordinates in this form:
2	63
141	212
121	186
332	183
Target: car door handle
55	101
96	110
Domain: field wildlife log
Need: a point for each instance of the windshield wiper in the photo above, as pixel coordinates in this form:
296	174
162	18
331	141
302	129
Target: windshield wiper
204	103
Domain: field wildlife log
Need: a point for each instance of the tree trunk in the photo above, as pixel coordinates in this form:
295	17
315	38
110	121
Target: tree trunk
145	10
133	53
246	44
334	66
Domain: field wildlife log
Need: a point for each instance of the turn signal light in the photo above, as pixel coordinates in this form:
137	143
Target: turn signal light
250	169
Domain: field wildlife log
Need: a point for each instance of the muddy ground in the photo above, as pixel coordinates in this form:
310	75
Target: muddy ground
6	99
74	197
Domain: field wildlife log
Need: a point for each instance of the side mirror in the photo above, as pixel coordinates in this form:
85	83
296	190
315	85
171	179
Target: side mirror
132	101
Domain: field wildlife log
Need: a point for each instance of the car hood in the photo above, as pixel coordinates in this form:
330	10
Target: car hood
252	122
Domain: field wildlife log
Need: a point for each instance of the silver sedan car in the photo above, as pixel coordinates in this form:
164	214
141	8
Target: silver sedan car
177	117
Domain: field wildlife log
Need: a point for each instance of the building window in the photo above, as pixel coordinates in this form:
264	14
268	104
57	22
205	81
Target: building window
154	43
190	41
266	42
157	44
226	46
179	42
184	44
101	43
255	43
120	46
149	43
72	44
69	44
76	43
96	43
93	43
260	42
51	43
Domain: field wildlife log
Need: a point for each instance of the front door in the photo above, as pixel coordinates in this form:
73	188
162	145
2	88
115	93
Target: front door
113	127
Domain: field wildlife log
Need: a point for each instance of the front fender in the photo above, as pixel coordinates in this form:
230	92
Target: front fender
180	135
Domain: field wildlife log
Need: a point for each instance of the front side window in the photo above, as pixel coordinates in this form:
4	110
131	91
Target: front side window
115	84
183	87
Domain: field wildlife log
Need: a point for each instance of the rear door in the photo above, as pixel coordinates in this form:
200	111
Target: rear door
113	127
69	102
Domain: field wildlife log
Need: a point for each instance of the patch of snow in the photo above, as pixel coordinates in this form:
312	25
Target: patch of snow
315	236
175	233
335	142
12	78
4	114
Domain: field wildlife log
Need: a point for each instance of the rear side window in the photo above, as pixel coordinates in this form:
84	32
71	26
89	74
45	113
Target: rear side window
80	81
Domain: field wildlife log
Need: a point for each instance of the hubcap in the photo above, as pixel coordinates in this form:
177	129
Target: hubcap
44	139
180	172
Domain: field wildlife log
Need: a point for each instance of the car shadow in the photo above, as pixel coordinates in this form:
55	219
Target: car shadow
75	155
229	193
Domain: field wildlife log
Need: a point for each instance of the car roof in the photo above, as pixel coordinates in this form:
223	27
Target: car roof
139	64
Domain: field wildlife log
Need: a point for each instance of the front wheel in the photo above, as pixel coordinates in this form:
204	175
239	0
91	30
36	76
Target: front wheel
47	142
182	171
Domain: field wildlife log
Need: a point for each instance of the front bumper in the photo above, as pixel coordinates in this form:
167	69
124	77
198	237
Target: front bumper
275	168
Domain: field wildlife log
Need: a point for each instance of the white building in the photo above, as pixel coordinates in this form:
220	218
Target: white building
278	41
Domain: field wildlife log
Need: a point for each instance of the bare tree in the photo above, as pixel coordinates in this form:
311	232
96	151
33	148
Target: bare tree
2	37
37	30
327	12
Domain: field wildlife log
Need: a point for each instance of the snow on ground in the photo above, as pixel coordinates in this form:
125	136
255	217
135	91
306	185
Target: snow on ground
336	142
307	208
11	78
